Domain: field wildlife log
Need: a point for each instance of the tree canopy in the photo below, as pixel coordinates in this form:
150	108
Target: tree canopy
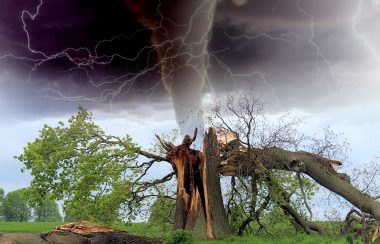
15	207
1	204
73	162
162	211
47	211
98	176
102	177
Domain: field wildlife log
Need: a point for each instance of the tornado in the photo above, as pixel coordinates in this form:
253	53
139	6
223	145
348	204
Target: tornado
180	35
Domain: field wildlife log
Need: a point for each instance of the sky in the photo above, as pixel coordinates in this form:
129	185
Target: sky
319	60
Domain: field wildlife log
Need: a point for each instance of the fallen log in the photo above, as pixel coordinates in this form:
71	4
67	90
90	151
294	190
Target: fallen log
84	232
250	162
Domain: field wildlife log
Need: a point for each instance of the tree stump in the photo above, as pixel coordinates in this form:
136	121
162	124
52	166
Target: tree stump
199	205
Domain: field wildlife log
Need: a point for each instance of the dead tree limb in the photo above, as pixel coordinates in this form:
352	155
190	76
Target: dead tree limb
315	166
304	198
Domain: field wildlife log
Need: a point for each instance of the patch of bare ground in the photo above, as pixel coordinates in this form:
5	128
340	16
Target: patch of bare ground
21	238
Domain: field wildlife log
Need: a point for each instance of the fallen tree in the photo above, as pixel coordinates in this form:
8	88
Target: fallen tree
317	167
247	149
199	203
260	161
85	232
98	174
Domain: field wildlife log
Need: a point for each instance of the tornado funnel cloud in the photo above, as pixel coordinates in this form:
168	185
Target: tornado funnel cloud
180	34
186	94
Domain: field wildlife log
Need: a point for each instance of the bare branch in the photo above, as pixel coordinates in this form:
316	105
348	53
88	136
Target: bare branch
168	146
152	156
298	175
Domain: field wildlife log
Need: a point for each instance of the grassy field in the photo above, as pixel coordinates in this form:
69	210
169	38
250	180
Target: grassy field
28	227
298	238
164	231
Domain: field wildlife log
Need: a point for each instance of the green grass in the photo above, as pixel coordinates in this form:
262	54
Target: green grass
298	238
163	231
29	227
145	229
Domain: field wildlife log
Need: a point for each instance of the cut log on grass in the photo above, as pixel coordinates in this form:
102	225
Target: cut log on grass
85	232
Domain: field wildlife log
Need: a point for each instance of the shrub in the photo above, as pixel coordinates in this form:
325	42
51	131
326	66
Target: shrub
179	237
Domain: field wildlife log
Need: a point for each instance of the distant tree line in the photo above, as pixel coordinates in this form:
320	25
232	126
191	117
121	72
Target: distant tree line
16	207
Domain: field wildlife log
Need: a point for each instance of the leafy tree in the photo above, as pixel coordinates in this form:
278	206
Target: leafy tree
70	215
15	206
47	212
74	162
99	177
1	203
162	211
1	195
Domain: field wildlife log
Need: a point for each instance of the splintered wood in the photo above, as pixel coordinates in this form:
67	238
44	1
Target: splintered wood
83	228
199	205
84	232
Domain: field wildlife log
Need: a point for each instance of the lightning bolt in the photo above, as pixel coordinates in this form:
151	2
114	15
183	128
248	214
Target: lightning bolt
91	59
366	43
364	40
32	16
317	49
235	77
85	59
125	82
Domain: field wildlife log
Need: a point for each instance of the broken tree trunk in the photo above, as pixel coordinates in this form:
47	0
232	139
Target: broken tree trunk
317	167
199	205
84	232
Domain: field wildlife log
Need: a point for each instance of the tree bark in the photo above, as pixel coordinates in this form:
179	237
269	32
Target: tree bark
199	205
317	167
84	232
216	213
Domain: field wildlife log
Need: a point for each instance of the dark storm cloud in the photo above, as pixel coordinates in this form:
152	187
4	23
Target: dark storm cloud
260	24
74	24
282	51
307	51
272	15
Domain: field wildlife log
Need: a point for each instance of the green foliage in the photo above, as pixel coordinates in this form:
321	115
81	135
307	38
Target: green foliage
247	195
47	212
162	211
1	204
15	206
146	229
1	195
73	215
78	163
350	239
179	237
290	183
